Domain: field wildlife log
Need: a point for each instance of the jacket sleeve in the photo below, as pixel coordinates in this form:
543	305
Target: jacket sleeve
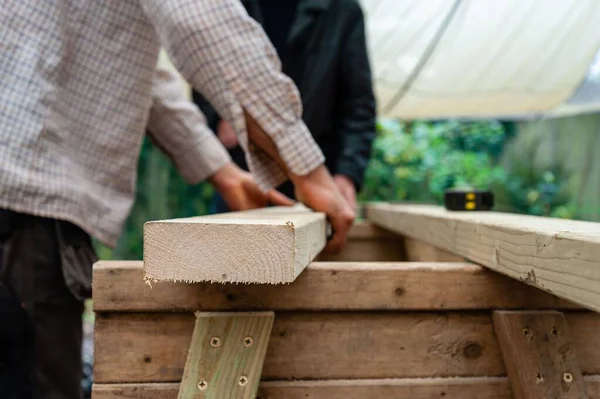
179	129
227	57
358	101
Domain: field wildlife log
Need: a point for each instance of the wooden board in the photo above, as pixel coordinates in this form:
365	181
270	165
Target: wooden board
556	255
269	246
119	286
420	251
368	243
226	355
539	355
153	347
419	388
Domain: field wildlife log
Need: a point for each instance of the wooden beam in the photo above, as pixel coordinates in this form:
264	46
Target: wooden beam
418	388
153	347
262	246
226	355
420	251
539	355
119	287
556	255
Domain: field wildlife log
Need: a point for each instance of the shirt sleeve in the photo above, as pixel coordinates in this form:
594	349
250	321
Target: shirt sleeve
226	56
178	127
357	101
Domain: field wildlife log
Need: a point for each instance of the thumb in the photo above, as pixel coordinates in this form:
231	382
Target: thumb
277	198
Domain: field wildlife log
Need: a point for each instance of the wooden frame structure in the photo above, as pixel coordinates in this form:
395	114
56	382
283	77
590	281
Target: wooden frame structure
392	316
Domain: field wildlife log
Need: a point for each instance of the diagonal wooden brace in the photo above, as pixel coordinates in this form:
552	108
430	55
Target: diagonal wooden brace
539	355
226	355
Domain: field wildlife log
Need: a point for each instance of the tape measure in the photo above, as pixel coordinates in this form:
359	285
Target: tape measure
468	200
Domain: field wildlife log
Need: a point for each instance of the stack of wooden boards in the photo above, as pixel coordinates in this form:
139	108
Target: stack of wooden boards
390	317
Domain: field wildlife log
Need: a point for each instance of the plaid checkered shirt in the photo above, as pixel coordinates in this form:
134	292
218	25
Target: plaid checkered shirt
78	87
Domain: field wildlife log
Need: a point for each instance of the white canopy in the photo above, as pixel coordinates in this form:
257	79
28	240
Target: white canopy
484	58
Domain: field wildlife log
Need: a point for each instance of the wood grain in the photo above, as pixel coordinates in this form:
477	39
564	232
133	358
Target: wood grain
420	251
368	243
153	347
119	286
539	355
269	246
556	255
226	355
419	388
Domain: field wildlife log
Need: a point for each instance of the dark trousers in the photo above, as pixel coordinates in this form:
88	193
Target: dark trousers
45	273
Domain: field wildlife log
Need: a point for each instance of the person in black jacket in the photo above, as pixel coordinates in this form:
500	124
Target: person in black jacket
322	46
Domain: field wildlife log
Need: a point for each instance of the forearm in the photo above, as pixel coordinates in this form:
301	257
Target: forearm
179	129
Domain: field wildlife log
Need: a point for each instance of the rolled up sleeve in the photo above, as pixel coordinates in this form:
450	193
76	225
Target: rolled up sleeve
227	57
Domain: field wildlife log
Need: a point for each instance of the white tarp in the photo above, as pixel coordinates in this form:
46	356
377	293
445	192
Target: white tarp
482	58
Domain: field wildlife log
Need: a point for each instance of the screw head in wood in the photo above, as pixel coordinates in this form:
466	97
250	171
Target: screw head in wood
248	341
553	332
215	342
202	385
243	381
568	377
526	332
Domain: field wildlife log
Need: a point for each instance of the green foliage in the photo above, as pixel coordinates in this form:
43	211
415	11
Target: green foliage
419	161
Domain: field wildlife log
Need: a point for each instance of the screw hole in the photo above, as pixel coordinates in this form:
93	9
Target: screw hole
243	381
553	332
568	377
202	385
539	378
215	342
248	341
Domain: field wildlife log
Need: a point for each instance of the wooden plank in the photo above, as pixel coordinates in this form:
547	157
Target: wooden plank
153	347
226	355
365	230
539	355
419	388
420	251
556	255
262	246
383	250
368	243
119	286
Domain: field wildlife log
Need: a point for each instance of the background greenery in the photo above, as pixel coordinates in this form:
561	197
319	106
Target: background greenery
414	161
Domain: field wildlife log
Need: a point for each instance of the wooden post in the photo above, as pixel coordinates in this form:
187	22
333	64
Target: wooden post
538	354
226	355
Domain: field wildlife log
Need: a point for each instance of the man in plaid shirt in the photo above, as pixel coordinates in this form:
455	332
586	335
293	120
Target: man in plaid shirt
78	87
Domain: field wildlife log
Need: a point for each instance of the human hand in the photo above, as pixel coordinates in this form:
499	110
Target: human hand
318	191
346	187
226	134
240	191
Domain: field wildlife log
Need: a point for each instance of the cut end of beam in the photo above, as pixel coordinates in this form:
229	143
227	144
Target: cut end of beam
244	247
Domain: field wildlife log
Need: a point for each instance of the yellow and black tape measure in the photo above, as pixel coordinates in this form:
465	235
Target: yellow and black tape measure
468	200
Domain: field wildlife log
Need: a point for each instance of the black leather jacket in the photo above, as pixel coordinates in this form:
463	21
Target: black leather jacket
326	56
